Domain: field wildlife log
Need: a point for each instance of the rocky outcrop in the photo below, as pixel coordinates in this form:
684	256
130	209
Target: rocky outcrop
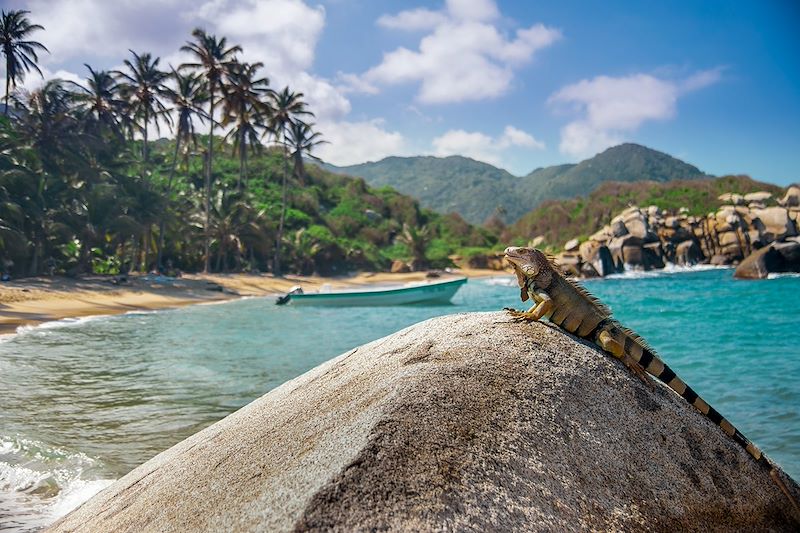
463	422
649	238
776	257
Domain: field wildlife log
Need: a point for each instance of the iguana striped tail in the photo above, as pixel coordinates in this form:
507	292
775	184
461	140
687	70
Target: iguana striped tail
635	350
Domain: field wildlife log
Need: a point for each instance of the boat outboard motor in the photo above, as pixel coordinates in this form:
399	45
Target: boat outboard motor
288	296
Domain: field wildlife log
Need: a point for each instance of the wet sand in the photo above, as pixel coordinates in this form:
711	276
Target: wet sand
31	301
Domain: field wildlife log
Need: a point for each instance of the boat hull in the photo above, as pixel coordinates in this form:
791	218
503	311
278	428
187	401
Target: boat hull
432	293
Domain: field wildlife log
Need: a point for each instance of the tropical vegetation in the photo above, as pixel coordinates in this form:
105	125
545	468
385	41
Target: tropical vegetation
87	185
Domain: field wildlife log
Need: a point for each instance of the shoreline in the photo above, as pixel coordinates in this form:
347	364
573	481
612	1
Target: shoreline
33	301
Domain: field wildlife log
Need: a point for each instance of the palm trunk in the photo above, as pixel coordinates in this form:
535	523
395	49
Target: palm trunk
208	184
162	222
147	238
242	161
277	263
34	268
144	147
8	86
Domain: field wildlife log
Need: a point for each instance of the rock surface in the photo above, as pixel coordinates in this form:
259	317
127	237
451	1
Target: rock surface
464	422
776	257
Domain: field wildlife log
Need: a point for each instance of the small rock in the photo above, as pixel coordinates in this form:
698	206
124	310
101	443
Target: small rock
791	198
400	267
572	245
760	196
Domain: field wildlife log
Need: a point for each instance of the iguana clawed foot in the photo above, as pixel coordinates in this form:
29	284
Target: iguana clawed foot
521	316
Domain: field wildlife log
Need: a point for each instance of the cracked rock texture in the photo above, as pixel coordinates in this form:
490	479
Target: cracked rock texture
464	422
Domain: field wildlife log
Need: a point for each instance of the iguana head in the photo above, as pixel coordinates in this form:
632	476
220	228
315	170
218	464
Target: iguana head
529	260
529	263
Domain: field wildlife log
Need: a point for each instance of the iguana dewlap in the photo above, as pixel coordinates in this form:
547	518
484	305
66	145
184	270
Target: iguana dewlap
571	307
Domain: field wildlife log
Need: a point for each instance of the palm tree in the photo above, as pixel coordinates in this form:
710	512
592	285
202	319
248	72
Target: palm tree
244	107
302	140
212	58
20	53
143	87
187	98
287	106
417	240
100	100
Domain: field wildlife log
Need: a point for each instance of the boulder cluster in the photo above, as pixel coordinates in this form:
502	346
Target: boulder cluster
650	238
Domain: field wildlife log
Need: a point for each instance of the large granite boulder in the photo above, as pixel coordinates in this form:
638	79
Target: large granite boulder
775	223
777	257
466	422
792	197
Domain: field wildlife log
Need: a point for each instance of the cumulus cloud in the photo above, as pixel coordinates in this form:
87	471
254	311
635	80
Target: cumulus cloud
464	58
84	29
413	20
610	107
357	142
482	147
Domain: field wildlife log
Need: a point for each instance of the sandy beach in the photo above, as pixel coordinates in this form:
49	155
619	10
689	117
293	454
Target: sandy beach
31	301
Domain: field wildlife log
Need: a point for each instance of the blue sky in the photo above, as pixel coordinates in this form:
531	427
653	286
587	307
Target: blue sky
518	84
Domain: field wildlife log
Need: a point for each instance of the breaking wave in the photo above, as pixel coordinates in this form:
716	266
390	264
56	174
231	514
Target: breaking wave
40	483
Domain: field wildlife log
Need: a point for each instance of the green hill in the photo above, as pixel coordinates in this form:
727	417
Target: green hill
561	220
451	184
478	190
624	163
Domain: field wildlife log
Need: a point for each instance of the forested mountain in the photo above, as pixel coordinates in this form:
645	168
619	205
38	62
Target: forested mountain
478	190
473	189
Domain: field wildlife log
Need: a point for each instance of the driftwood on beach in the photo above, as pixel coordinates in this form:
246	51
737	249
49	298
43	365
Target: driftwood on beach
466	421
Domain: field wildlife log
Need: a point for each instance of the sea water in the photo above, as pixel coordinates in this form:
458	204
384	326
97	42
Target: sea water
84	401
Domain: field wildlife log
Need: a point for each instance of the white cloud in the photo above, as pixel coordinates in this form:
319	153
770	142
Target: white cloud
477	10
282	34
483	147
357	142
412	20
611	107
352	83
33	81
516	137
81	29
465	57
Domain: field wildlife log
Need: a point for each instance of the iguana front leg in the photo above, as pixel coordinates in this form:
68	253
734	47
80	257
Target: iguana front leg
543	305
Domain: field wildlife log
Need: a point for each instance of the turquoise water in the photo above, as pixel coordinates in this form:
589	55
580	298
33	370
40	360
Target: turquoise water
85	401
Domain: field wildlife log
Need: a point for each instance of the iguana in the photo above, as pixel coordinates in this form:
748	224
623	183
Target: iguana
571	307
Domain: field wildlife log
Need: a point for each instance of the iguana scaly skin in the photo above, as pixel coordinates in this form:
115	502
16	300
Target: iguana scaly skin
571	307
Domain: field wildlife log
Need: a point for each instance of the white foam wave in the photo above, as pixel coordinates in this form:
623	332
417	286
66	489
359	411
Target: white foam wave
74	494
668	270
502	281
778	275
41	483
62	323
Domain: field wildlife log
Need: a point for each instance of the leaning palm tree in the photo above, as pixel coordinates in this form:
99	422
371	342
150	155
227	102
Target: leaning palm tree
287	106
302	140
143	87
100	100
244	108
20	53
211	59
187	98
